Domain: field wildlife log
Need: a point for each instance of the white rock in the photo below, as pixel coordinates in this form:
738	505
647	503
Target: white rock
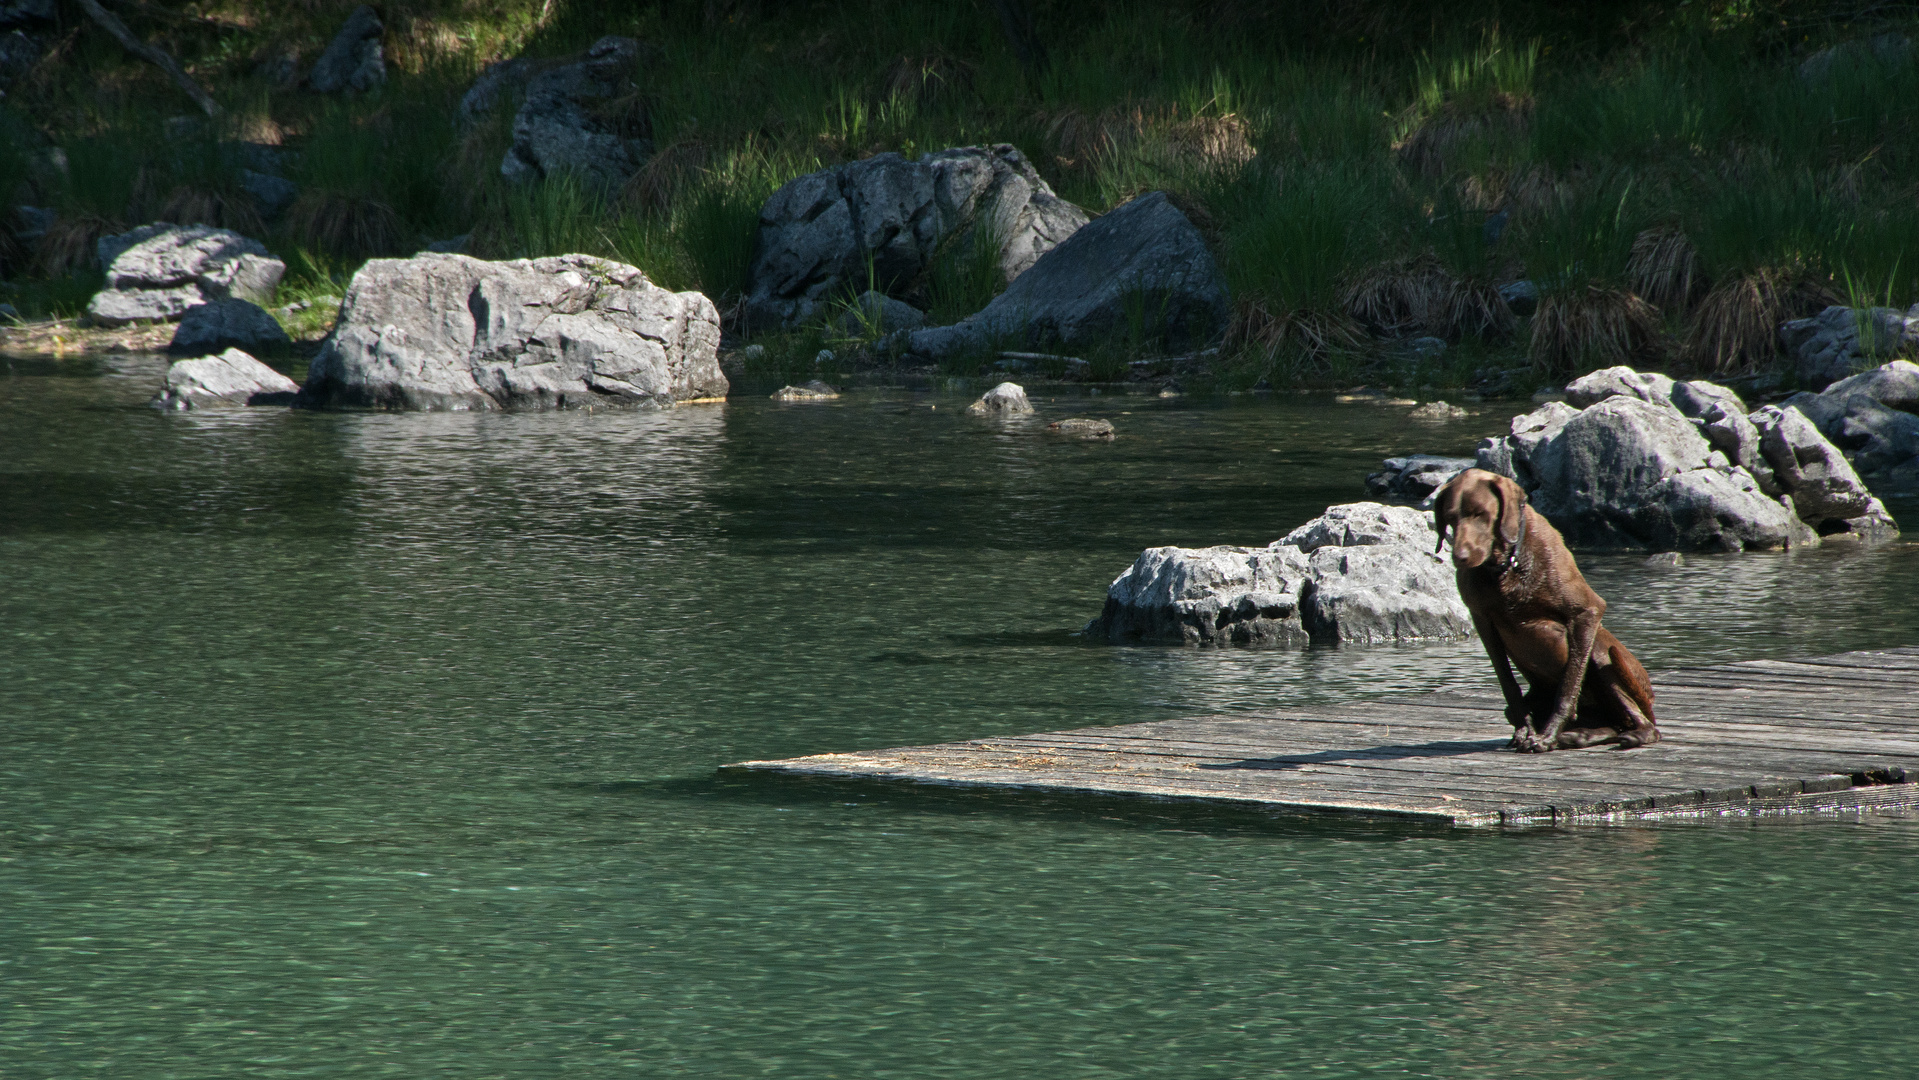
571	331
1006	399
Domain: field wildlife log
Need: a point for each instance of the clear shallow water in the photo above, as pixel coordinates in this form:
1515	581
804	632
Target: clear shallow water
384	745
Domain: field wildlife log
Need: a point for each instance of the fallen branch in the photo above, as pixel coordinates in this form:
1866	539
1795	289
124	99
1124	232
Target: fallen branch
152	54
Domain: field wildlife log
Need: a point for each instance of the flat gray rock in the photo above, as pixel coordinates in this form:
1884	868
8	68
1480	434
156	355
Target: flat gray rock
230	379
558	128
883	221
1141	263
571	331
1894	385
157	272
227	324
1360	573
354	60
1876	437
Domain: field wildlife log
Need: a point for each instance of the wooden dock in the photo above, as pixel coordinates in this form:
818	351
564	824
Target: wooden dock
1828	735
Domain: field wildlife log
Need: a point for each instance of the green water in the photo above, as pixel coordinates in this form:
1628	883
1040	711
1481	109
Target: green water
385	746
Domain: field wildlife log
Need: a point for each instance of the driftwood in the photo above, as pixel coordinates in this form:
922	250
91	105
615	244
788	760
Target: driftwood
151	54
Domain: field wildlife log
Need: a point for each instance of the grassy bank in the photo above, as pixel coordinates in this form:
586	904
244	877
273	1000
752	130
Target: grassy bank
1667	175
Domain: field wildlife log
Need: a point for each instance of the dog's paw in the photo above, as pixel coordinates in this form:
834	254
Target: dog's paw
1637	737
1527	741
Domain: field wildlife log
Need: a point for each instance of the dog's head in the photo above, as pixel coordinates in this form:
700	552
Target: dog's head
1483	510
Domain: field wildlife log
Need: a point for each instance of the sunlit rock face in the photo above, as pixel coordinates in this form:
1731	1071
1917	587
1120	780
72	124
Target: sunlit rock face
571	331
882	222
155	273
1359	573
1141	270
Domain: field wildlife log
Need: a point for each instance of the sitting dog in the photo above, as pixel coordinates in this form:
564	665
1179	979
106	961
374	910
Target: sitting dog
1534	610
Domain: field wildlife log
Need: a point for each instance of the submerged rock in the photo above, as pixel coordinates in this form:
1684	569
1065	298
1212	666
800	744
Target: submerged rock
354	59
157	272
811	391
570	331
227	324
1438	410
1006	399
1140	268
885	221
1362	572
1080	427
229	379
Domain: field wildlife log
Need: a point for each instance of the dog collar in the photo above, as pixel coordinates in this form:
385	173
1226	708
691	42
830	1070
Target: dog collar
1512	557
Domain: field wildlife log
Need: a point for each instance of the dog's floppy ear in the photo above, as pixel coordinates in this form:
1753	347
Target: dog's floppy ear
1512	505
1445	511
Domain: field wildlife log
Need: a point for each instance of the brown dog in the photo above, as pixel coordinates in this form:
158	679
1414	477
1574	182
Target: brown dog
1534	610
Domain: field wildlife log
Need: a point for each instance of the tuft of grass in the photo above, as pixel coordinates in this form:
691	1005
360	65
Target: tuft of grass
1736	326
1663	267
1591	327
964	274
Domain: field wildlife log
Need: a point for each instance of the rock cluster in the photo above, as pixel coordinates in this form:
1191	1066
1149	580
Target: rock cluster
1142	268
883	221
157	272
1634	459
809	391
559	127
231	378
1081	427
353	60
572	331
1361	572
1834	343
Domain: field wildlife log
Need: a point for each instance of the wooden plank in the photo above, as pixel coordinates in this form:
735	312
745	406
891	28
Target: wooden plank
1753	739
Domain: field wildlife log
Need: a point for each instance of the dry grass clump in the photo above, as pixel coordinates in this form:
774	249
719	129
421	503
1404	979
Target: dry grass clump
1664	269
71	244
1521	192
927	78
1078	140
1432	147
222	209
346	225
668	173
1270	331
1421	296
1592	327
1736	327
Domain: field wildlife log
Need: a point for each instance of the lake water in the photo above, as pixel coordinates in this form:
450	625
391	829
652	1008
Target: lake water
369	745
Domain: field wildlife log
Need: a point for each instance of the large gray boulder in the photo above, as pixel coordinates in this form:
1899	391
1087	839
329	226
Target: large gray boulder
1833	344
558	129
157	272
227	324
353	60
1362	572
229	379
572	331
1650	462
883	221
1877	438
1142	266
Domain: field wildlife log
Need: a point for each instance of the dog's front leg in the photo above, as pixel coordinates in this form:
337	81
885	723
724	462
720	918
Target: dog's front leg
1517	712
1582	630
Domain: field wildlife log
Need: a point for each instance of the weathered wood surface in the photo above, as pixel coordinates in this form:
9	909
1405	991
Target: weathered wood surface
1832	734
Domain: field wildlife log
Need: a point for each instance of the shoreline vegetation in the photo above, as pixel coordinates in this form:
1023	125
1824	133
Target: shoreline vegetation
1675	180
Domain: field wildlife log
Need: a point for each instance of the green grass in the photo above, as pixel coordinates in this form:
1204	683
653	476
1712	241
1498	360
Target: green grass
1311	149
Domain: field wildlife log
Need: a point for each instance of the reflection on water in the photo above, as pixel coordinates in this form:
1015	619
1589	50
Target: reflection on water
382	745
